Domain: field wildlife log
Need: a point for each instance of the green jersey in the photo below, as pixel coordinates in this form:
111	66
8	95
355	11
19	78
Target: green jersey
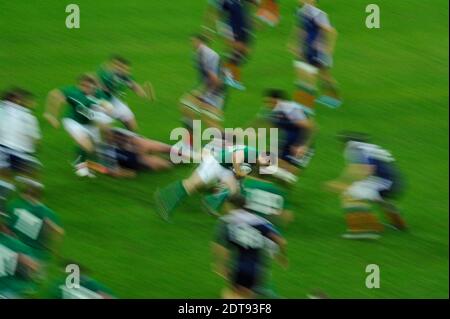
11	283
114	83
263	197
27	220
225	155
81	105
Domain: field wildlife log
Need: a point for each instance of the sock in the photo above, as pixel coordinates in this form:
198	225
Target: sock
172	195
215	201
331	90
361	220
305	96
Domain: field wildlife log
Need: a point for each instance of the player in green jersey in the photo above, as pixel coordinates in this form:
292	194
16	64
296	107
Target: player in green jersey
263	198
224	167
87	112
115	78
19	268
33	223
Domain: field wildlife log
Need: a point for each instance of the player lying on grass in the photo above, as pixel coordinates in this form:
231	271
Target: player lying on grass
31	222
369	178
224	167
297	130
84	118
125	153
19	136
115	77
206	102
20	270
240	249
313	43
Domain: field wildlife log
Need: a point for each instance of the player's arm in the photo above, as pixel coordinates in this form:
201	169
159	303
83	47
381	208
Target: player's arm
55	101
238	159
138	89
329	32
353	172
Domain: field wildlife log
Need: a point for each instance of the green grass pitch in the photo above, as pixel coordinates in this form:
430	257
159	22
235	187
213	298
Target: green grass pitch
394	82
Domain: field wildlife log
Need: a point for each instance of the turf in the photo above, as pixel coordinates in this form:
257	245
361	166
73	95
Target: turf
394	82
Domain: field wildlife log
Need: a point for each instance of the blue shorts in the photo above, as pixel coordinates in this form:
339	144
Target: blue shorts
18	162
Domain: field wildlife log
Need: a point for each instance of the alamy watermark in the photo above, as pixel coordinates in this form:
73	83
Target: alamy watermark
373	277
263	140
373	20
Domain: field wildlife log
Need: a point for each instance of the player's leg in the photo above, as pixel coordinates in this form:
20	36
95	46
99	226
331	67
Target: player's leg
154	163
236	58
390	209
7	187
169	197
123	113
146	146
307	76
211	110
362	222
85	145
330	96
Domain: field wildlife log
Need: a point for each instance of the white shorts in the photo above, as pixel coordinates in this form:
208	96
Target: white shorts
369	189
121	111
210	171
81	131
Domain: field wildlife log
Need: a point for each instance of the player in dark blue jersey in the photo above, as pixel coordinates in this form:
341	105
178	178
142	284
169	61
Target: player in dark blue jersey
238	21
370	177
240	249
313	44
296	126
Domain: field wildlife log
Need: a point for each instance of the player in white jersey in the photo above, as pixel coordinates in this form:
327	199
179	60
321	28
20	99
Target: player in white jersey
19	135
370	177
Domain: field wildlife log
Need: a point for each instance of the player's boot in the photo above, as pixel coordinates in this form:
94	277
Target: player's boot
230	81
82	170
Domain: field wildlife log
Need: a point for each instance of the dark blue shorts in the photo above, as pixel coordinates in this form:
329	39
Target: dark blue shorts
247	275
18	162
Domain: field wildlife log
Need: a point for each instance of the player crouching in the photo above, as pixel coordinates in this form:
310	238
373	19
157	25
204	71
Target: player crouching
369	178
